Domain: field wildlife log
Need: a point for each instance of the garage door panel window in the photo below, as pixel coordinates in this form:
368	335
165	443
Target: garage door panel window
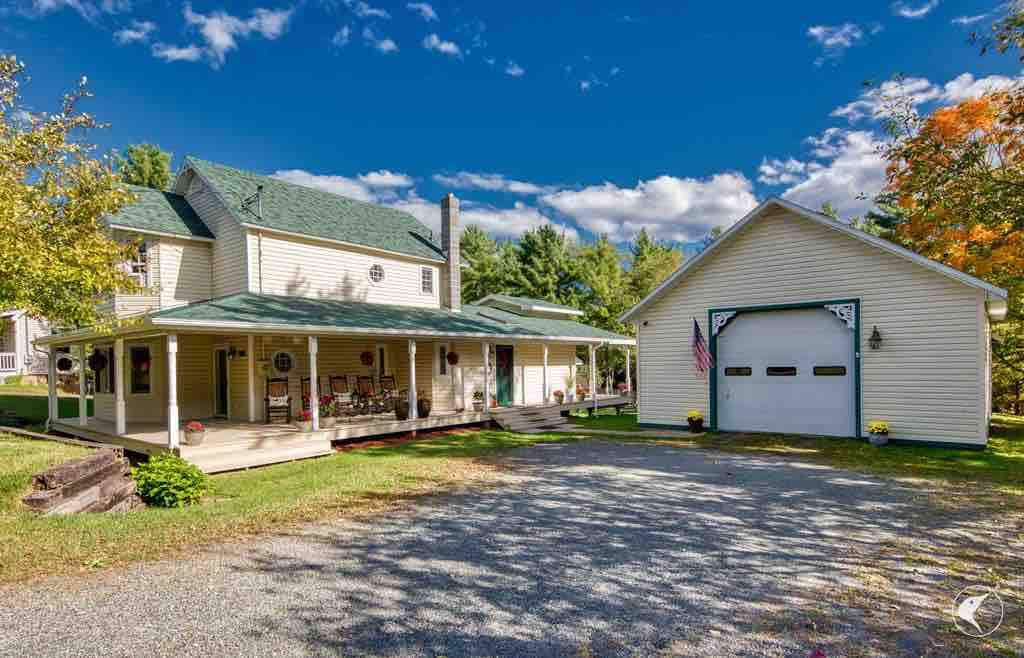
781	371
735	371
829	371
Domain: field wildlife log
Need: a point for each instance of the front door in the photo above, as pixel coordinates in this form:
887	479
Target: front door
220	383
503	374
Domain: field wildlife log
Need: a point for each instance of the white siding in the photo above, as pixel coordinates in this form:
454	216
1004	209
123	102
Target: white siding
185	272
281	265
926	380
228	263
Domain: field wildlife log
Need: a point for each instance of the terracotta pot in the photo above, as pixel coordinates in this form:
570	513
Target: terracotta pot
478	405
423	407
194	438
402	410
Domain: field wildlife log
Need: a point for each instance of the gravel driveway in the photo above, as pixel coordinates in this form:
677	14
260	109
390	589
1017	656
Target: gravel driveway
591	548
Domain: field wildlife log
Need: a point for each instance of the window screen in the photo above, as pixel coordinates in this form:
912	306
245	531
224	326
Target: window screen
829	371
781	371
741	371
427	280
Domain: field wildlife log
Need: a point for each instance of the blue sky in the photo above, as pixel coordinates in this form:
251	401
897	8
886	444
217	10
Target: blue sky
600	117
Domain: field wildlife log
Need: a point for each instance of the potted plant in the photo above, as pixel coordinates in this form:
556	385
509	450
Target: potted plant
478	400
878	432
402	408
195	432
559	397
581	393
423	405
305	421
623	389
695	420
570	386
328	412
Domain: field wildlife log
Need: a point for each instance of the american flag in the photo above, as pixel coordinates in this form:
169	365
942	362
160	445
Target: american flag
701	357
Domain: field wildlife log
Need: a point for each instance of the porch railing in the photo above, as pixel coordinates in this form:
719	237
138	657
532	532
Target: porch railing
8	361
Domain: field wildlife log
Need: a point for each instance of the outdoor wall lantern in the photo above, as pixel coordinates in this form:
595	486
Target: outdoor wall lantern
875	341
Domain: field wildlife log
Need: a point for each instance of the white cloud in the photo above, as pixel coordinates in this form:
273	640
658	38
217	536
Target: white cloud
342	37
969	20
169	53
835	39
467	180
384	178
363	10
514	70
783	172
907	10
139	31
434	42
381	44
965	86
585	85
873	102
87	9
511	222
852	175
425	11
668	207
221	30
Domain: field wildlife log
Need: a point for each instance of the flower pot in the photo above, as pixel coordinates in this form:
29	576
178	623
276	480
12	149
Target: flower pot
423	407
304	425
696	424
478	405
327	422
194	438
402	410
878	439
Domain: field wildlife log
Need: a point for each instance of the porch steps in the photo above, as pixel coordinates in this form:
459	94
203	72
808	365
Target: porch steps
232	457
532	420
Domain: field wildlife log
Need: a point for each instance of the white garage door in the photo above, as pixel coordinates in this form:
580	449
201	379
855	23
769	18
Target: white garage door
786	371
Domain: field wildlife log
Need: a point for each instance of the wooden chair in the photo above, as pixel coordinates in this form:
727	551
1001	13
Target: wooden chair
388	392
277	405
306	385
369	397
343	395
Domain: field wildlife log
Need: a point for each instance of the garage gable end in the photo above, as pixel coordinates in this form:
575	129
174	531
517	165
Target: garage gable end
775	204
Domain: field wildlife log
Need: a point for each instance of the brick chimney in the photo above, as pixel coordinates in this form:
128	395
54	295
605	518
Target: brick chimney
451	278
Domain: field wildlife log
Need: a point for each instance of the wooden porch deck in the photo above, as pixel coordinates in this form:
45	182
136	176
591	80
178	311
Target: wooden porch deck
231	445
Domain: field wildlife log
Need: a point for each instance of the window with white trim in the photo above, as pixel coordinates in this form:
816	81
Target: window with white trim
376	273
138	267
427	280
441	367
141	364
283	362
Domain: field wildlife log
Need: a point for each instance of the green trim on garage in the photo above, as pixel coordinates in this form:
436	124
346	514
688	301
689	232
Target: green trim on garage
713	347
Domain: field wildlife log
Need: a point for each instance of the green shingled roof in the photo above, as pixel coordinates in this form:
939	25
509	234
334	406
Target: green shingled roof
309	211
284	311
525	302
160	212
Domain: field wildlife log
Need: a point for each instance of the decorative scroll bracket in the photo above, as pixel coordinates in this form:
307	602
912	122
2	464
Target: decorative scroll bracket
845	312
719	320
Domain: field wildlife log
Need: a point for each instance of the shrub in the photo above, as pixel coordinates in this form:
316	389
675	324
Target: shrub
878	427
694	415
169	481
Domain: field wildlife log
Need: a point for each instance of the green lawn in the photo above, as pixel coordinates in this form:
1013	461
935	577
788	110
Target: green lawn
33	407
607	419
241	503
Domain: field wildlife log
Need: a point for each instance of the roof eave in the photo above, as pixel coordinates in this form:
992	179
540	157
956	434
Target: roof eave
163	234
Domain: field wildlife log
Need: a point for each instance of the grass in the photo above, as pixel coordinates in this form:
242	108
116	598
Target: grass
27	402
606	420
241	503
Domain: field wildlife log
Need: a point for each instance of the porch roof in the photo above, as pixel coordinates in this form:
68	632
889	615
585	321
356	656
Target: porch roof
249	311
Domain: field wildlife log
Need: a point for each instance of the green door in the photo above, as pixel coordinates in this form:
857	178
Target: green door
503	374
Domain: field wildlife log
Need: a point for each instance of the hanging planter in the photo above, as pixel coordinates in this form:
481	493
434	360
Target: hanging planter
453	358
366	358
97	361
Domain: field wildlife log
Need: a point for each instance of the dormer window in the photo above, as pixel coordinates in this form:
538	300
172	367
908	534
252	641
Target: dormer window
138	267
376	273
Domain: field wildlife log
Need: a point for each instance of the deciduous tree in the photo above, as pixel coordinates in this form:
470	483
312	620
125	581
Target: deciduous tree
146	165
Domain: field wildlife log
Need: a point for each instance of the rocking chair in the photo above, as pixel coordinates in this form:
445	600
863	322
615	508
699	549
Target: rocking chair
306	392
343	396
369	398
277	405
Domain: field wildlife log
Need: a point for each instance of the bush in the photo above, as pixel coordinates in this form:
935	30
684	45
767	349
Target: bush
169	481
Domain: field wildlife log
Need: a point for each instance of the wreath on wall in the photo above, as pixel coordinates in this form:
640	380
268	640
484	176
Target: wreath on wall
366	358
97	361
453	358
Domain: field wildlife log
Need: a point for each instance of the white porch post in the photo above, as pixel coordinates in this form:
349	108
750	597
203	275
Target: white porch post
251	355
593	375
629	377
486	347
83	403
119	408
172	391
547	381
413	415
314	397
51	385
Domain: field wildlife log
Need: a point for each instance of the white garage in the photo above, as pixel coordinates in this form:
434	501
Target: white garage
817	328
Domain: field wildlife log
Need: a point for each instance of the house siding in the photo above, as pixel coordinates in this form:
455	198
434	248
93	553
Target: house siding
926	380
185	272
228	258
282	265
